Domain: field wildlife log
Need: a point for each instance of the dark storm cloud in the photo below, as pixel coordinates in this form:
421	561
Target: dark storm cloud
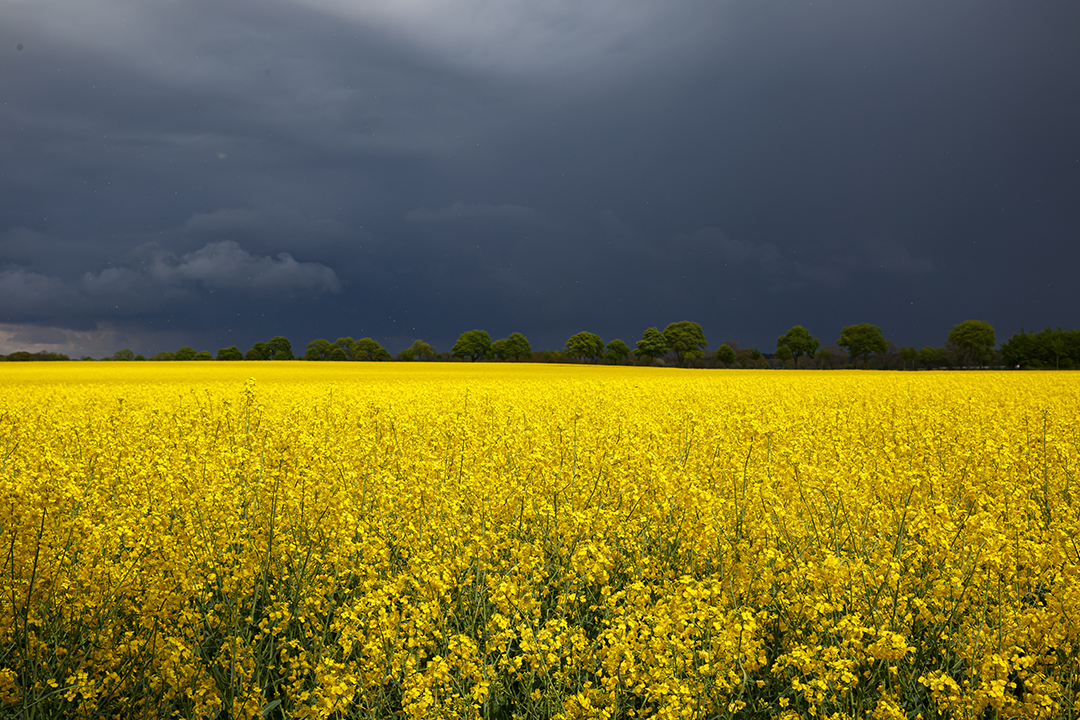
511	214
165	280
170	172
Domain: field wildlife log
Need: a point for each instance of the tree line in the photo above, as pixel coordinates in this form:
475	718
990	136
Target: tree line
1049	348
970	343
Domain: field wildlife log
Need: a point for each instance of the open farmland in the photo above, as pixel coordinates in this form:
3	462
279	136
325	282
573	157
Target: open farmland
455	540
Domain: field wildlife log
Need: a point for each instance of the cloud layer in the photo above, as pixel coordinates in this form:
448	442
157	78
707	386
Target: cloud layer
225	172
510	214
166	282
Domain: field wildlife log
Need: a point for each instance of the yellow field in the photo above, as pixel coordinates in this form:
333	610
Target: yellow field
452	540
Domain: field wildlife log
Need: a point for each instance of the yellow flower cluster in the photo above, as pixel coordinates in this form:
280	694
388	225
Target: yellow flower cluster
534	541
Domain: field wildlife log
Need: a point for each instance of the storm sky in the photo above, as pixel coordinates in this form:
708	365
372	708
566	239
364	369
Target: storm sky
216	172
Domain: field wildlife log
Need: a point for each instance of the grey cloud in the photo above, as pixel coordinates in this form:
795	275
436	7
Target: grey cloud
511	214
227	266
223	220
522	37
839	148
32	338
738	251
101	340
20	238
23	291
118	283
718	245
786	272
613	225
873	256
896	259
833	274
165	280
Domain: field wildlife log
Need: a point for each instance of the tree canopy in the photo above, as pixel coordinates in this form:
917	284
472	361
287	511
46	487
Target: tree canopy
972	340
725	354
584	346
419	350
474	344
344	348
798	341
368	349
513	347
1049	348
616	351
686	339
862	340
969	341
230	353
908	354
257	352
930	357
318	349
279	348
652	344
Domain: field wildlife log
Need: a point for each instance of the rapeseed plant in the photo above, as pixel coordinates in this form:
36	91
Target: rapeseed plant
460	541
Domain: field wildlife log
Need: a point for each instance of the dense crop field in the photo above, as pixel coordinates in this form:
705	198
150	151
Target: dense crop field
450	540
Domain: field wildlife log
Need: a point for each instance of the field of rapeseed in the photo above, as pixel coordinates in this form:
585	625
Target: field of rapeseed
522	541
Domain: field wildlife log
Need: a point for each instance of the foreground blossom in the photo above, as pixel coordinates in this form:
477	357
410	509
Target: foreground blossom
475	541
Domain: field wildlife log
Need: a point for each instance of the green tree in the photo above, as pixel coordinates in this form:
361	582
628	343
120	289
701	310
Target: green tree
826	358
908	353
419	350
164	355
652	345
1058	345
799	341
862	339
518	347
513	347
258	351
751	358
347	346
725	354
186	353
616	351
783	353
972	340
368	349
1050	347
472	344
686	340
318	349
204	355
230	353
584	346
1020	350
337	354
279	348
930	357
123	355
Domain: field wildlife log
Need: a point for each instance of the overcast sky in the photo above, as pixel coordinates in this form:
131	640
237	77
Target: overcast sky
215	172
